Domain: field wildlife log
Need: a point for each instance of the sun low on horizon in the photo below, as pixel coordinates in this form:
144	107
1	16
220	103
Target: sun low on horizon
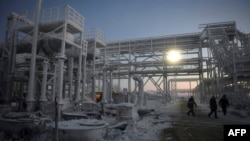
173	56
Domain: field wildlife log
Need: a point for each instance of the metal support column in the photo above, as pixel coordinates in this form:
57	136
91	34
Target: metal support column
79	77
61	60
201	77
104	87
84	77
54	89
129	75
30	97
79	74
111	86
93	73
70	71
43	97
104	79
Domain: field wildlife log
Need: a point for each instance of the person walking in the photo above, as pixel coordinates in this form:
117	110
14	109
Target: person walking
191	103
224	104
213	107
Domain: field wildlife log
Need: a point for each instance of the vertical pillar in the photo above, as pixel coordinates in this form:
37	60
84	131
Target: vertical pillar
190	88
165	87
70	65
44	81
201	77
111	87
197	84
129	87
168	87
104	87
234	72
164	83
84	77
93	73
43	99
54	89
140	83
30	97
129	76
219	79
79	74
104	78
118	74
61	58
141	92
235	82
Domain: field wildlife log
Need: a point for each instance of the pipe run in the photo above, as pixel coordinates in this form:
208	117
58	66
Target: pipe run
141	89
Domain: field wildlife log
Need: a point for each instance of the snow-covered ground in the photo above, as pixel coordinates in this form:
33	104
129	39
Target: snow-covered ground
147	127
159	116
150	126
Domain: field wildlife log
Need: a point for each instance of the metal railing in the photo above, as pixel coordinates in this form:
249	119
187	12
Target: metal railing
95	33
65	13
60	13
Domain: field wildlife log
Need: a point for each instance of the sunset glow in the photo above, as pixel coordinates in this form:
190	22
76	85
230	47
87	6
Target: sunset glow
173	56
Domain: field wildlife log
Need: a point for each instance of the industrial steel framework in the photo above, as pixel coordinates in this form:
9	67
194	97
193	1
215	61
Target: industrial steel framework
70	66
58	59
218	57
228	61
147	58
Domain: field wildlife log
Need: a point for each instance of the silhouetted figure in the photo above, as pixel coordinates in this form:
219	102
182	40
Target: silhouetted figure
224	104
191	103
213	107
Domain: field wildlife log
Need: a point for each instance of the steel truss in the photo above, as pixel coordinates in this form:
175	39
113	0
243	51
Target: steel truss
228	61
60	55
218	57
147	57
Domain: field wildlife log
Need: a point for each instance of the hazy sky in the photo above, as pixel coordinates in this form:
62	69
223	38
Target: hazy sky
129	19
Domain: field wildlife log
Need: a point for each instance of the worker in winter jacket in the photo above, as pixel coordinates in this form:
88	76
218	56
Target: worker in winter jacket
224	104
213	107
191	103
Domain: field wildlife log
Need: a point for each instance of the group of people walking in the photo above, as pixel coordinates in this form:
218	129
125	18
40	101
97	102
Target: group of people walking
223	103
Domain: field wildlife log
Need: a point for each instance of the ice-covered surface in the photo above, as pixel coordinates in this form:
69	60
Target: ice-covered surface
146	128
82	124
82	129
150	126
159	115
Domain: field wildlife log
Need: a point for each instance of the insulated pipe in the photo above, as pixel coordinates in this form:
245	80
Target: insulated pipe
70	71
30	96
61	58
104	87
141	89
84	77
111	87
43	97
54	89
93	73
79	74
80	68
